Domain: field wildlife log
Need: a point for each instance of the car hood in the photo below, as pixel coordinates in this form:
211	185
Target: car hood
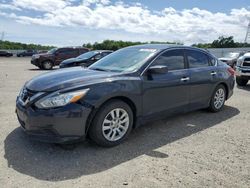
45	55
65	78
72	60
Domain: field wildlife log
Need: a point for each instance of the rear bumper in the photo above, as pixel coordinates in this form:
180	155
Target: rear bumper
242	71
231	84
61	125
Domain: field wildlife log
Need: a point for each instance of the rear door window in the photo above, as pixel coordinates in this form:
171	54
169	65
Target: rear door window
197	59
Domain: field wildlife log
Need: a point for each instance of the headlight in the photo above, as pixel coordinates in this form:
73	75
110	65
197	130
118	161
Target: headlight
57	100
239	62
36	56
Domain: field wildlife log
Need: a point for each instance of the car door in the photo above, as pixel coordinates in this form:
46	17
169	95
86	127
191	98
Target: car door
65	53
203	77
168	92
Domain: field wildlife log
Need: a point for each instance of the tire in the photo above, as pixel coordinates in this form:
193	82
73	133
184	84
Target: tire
47	65
40	67
115	130
241	81
218	99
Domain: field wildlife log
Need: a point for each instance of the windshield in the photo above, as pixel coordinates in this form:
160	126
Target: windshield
232	55
87	55
52	51
124	60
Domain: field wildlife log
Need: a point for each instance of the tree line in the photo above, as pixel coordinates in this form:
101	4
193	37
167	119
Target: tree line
222	42
7	45
115	45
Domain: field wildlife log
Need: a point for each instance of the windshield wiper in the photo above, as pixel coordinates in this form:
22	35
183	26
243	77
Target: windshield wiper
99	69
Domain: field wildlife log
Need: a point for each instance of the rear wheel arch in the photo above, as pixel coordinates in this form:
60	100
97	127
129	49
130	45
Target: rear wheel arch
226	88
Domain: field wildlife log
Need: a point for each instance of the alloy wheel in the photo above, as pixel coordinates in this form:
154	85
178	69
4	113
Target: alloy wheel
219	98
115	124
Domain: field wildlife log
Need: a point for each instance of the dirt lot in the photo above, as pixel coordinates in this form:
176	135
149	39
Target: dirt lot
198	149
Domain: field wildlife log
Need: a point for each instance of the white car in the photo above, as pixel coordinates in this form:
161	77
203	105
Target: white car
243	70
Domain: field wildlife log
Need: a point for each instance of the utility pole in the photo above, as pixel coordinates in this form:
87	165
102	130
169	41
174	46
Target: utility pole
2	36
247	38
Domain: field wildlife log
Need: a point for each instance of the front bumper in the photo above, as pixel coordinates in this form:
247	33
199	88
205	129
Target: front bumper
242	71
60	125
35	62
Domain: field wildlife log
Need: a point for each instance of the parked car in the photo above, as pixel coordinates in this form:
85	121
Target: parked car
243	70
85	59
27	53
42	51
55	56
231	58
5	54
117	93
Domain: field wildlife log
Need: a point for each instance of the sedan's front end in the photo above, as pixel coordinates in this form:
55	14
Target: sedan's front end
56	117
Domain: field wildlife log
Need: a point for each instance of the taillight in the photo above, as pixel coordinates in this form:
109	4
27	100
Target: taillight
231	71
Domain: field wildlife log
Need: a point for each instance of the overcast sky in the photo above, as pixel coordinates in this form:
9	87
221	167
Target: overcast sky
74	22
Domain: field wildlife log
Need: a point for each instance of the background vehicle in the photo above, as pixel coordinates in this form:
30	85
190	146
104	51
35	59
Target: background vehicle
27	53
85	59
42	51
134	84
231	58
5	54
55	56
243	70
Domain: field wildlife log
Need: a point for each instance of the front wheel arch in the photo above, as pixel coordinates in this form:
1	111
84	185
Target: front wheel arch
95	132
96	109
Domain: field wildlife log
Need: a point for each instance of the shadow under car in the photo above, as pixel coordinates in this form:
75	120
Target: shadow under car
51	163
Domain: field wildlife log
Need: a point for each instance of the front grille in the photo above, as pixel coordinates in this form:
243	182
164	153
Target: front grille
246	64
26	94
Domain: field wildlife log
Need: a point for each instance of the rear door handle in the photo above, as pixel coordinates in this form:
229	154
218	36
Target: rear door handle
213	73
184	79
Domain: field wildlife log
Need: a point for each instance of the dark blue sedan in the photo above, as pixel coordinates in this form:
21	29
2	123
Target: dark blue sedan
131	86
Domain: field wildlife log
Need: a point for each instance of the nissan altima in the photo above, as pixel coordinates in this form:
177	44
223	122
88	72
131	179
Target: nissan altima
127	88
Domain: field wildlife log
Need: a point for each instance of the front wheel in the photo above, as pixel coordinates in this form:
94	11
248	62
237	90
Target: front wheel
218	99
112	124
47	65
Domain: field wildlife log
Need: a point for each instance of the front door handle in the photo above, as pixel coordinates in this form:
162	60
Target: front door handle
184	79
213	73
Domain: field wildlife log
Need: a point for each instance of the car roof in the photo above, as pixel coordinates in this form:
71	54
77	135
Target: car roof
247	54
102	50
164	46
72	47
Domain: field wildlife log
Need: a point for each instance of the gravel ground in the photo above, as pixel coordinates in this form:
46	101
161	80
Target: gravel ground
198	149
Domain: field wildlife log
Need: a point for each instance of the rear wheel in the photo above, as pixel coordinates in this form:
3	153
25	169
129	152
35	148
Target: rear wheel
241	81
47	65
112	124
218	99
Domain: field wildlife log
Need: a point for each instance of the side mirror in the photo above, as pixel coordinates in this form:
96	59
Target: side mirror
158	69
